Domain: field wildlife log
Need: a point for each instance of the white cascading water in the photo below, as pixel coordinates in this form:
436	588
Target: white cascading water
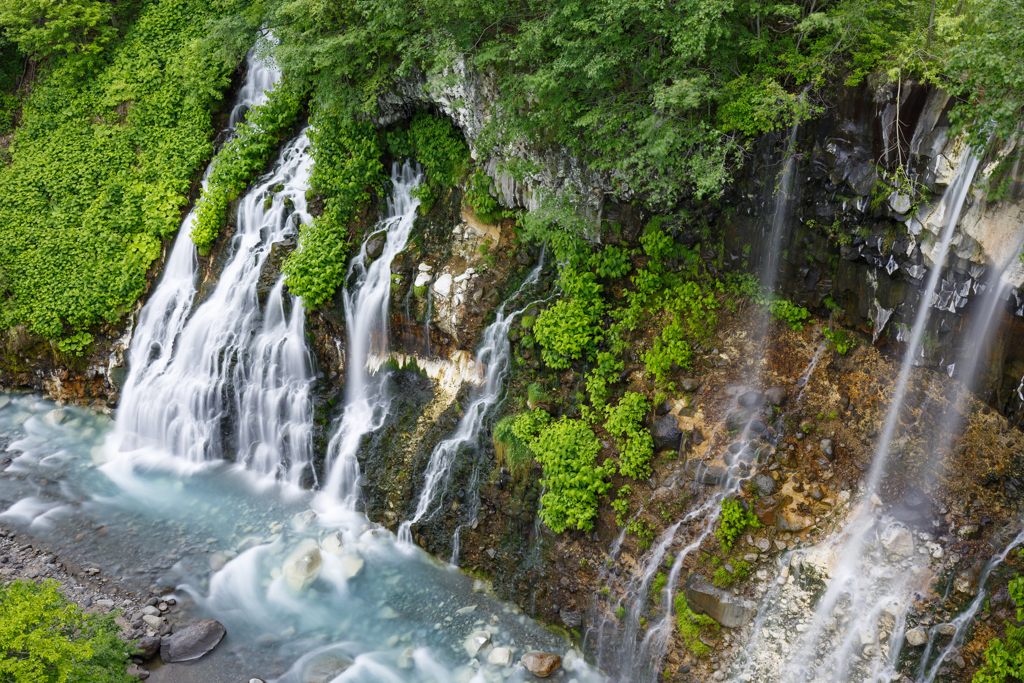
189	372
367	296
494	353
259	80
856	627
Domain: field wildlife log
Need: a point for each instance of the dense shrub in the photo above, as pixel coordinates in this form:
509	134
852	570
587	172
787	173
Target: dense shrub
636	445
47	640
347	170
101	165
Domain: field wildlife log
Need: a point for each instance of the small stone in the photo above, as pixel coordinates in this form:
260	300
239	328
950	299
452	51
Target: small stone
153	611
826	449
948	630
967	531
897	540
776	396
571	619
500	656
476	641
916	637
764	484
541	664
751	399
325	668
689	384
304	519
332	543
155	623
303	569
466	610
666	433
138	672
405	659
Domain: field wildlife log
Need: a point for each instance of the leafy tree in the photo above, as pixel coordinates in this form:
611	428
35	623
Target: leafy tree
47	640
40	27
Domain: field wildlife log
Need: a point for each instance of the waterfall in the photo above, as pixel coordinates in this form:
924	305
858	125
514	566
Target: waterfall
192	368
963	620
260	79
494	353
366	298
782	200
862	591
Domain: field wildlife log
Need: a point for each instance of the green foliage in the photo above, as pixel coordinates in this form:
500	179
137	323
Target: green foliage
625	422
242	159
690	625
101	166
723	578
76	344
734	520
478	197
621	504
692	310
565	332
840	340
789	313
40	27
643	531
346	171
567	450
536	393
47	640
612	263
439	146
657	586
510	450
1004	659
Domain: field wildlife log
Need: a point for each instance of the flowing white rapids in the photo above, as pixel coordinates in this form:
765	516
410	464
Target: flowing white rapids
190	375
259	80
855	630
367	296
192	369
494	353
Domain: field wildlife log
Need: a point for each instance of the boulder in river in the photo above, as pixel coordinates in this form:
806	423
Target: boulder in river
916	637
150	648
776	396
325	668
666	433
303	567
375	245
192	642
541	664
897	540
727	609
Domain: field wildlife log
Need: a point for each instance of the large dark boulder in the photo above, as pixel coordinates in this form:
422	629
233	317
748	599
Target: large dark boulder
709	475
666	433
150	648
192	642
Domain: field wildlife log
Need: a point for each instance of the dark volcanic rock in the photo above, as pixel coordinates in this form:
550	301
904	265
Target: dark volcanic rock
150	648
666	433
192	642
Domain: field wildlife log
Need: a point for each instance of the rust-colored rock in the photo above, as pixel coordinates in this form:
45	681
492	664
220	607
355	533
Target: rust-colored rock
541	664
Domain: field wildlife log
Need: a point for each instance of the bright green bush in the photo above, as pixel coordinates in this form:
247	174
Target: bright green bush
565	332
510	450
1004	658
723	578
47	640
636	445
346	171
789	313
243	159
567	450
478	197
40	27
840	340
439	146
101	165
733	522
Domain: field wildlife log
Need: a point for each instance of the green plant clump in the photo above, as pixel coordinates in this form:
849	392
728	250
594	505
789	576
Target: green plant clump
625	422
47	640
789	313
690	625
840	341
734	520
1004	658
346	171
567	450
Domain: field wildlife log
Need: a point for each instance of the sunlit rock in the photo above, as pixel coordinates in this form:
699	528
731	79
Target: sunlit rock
303	567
